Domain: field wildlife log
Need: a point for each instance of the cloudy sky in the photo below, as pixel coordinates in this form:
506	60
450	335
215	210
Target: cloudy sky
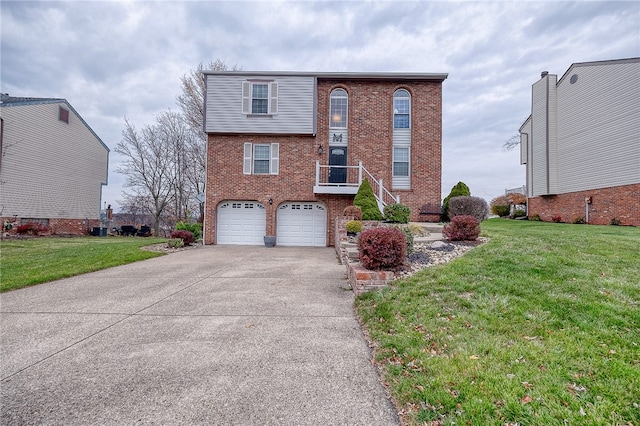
113	60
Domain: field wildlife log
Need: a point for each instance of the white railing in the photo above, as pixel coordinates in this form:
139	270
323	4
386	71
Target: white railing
352	179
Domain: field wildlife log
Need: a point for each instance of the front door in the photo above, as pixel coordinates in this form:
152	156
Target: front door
338	157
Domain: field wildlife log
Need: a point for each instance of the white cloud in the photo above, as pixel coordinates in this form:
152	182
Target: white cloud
113	60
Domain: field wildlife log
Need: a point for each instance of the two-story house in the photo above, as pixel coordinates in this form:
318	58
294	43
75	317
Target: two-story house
287	151
581	144
52	166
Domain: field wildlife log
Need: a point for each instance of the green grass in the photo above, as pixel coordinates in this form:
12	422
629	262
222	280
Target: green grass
539	326
37	260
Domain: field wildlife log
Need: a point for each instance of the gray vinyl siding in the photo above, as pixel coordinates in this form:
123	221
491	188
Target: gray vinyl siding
338	137
539	182
402	139
295	108
50	169
526	153
599	126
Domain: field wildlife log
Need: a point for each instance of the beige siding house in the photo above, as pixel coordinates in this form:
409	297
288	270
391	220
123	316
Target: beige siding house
581	144
52	165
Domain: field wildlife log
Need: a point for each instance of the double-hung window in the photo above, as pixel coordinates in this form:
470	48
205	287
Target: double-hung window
261	159
259	97
401	161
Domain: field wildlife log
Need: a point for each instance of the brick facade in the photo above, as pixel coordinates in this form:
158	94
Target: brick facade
621	203
59	226
370	127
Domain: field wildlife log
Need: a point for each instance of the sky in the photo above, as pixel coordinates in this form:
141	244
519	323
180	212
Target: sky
124	59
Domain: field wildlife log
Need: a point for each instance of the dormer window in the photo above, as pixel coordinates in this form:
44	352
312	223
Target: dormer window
259	97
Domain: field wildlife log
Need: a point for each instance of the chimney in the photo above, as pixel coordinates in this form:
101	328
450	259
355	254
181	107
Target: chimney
543	74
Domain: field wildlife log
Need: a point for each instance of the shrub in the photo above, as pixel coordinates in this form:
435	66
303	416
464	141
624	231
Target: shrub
382	248
579	220
518	213
175	243
408	235
535	218
32	228
194	228
459	190
353	226
468	206
185	236
397	213
516	198
556	218
500	206
366	200
353	211
417	230
462	228
614	222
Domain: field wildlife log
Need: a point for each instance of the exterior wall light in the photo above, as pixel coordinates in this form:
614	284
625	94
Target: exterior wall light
320	149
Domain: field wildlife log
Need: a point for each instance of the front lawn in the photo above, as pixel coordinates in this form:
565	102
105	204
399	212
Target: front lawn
539	326
37	260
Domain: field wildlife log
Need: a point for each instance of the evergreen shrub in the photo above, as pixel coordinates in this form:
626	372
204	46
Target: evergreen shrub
194	228
458	190
382	248
353	226
397	213
366	200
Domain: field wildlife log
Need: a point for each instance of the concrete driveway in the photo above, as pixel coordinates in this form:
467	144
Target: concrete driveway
218	335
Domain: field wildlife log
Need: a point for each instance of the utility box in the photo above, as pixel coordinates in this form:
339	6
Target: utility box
99	231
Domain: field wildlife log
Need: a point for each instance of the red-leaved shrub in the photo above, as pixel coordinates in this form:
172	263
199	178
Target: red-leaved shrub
382	248
185	236
462	228
32	228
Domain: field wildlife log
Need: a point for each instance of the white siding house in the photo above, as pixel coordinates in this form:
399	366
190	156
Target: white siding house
583	134
52	165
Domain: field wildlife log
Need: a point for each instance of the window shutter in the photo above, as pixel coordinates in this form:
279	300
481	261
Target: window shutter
275	158
273	100
246	164
246	97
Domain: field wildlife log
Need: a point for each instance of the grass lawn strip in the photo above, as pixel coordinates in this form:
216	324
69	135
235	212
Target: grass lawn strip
541	325
32	261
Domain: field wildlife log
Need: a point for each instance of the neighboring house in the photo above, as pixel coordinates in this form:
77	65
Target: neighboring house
52	166
287	151
581	144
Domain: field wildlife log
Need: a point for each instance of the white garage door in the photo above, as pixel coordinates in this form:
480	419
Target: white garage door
241	222
302	224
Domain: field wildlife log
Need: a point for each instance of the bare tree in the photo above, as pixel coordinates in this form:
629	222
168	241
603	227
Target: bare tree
511	143
191	102
148	168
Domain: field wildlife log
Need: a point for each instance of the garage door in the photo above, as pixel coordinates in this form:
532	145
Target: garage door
241	222
302	224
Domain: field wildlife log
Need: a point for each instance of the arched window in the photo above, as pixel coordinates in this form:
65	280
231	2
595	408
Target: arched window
338	109
401	109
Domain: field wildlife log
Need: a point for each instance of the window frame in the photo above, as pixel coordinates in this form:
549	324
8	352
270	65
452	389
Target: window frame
404	96
407	162
249	159
338	94
248	97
